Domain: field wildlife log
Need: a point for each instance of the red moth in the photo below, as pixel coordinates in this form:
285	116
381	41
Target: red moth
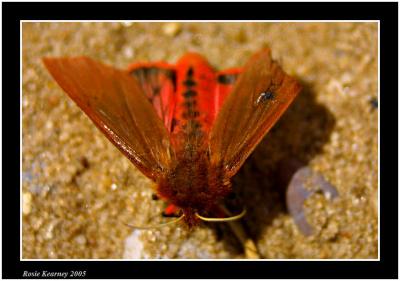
185	126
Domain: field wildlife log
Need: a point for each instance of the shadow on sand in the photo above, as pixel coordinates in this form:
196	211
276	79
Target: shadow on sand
261	183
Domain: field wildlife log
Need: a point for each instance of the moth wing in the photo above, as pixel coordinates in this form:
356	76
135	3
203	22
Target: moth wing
226	80
116	104
260	96
158	82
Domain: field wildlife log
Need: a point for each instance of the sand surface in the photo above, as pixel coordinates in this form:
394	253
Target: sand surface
78	189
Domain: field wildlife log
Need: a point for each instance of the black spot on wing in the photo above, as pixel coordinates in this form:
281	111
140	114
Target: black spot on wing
153	77
174	123
190	72
189	83
189	94
171	74
227	79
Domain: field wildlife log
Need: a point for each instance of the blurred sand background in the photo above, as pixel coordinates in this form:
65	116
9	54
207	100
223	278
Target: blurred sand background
78	189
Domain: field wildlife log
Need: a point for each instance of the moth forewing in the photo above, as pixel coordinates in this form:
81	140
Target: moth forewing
117	106
259	98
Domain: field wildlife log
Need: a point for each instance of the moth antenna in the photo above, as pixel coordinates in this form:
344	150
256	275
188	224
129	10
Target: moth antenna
233	218
155	226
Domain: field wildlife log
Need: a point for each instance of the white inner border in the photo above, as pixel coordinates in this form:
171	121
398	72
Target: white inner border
218	21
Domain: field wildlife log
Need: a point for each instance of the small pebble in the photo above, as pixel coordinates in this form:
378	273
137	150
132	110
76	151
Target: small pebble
80	239
374	102
172	28
26	203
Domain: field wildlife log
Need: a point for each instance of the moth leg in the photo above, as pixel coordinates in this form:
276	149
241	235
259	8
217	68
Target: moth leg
250	249
297	193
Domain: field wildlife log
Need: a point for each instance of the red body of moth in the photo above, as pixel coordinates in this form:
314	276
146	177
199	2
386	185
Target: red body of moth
185	126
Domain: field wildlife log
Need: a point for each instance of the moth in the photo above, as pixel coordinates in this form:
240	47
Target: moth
186	126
